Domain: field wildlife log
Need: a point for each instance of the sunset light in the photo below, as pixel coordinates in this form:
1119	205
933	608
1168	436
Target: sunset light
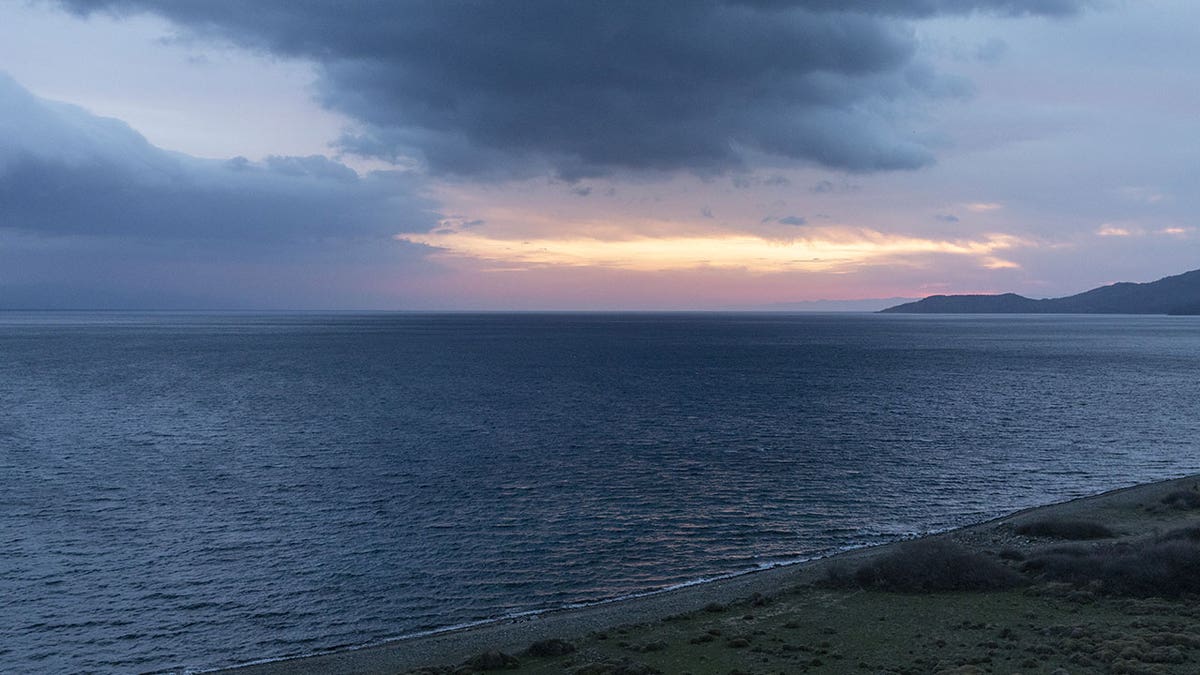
831	250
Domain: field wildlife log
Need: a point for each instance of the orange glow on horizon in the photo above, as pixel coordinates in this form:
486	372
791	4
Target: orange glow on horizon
829	250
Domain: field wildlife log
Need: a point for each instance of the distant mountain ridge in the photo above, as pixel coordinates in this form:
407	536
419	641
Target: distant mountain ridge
1176	295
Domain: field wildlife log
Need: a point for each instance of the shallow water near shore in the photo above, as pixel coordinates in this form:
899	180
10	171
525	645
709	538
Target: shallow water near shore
197	490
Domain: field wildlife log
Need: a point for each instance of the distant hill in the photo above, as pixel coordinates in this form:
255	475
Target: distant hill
1178	295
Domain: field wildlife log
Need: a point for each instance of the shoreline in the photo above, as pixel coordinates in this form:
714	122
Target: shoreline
452	645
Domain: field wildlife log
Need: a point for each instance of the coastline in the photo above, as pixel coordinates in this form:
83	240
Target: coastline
451	647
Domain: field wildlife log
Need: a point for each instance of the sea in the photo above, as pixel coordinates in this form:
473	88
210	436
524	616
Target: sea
188	491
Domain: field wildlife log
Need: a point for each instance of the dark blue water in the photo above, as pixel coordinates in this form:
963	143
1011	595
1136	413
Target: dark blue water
192	491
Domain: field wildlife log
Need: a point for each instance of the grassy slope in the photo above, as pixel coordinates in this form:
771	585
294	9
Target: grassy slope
828	631
1040	627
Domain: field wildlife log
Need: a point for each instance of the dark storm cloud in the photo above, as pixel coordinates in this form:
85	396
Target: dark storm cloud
64	171
927	8
585	88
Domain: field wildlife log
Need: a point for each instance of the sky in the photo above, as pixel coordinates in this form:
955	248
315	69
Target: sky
548	155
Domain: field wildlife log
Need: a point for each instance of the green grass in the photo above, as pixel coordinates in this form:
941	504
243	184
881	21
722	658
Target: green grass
1164	566
1125	605
816	630
1075	530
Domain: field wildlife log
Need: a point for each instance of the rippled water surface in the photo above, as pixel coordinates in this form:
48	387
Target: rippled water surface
185	491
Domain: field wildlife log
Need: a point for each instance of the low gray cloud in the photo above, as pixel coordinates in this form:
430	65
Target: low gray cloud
64	171
795	221
829	187
747	181
92	214
927	8
586	88
947	217
991	51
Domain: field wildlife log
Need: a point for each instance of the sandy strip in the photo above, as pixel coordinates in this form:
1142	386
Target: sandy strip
453	647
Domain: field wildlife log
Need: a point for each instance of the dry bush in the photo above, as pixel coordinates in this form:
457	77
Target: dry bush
1184	500
926	566
1167	566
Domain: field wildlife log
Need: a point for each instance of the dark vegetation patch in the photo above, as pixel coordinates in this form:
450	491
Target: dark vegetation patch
486	661
928	565
492	660
551	647
1190	533
740	642
1011	554
1073	530
1183	500
621	667
1167	566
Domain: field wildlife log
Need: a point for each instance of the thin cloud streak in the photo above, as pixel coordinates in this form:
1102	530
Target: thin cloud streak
831	250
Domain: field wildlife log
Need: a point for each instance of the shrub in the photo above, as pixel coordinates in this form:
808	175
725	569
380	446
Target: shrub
1184	500
1190	533
492	660
929	565
550	647
1011	554
1167	566
1065	529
